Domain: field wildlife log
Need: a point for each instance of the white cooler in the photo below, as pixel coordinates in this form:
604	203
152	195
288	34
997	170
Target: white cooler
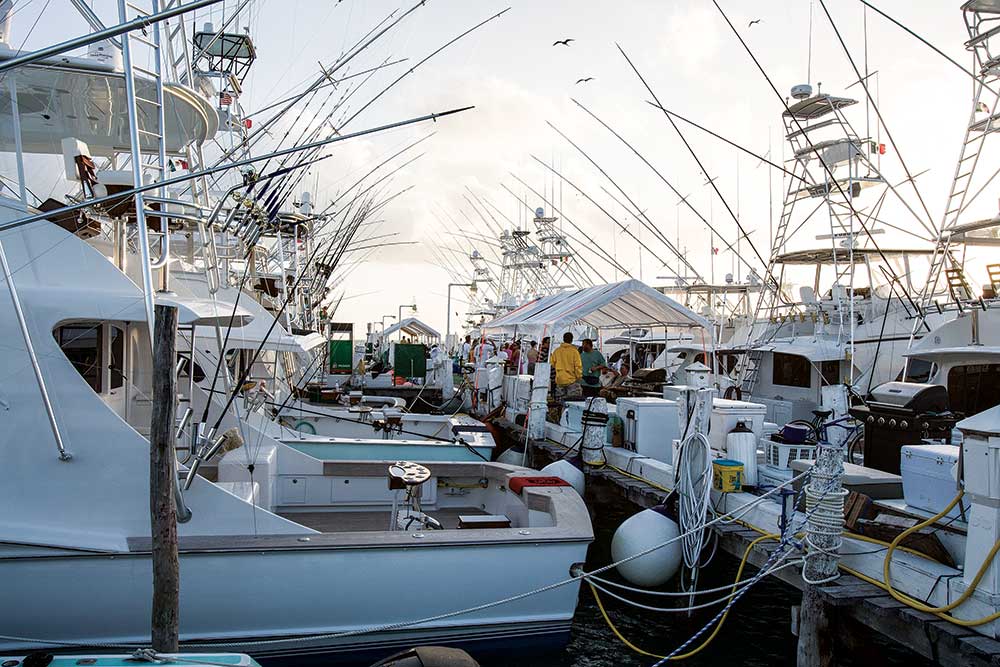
649	426
726	414
929	477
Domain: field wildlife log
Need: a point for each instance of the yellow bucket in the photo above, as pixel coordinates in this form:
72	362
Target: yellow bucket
727	475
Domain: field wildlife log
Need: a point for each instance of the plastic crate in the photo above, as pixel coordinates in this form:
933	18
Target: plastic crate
781	454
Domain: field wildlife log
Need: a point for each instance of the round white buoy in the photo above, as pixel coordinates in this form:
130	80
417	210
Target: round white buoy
511	457
642	531
567	472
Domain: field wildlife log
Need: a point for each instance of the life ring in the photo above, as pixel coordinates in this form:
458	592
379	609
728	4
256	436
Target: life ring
733	393
298	426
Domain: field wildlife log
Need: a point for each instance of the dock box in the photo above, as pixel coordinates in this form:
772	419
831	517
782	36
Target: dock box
929	477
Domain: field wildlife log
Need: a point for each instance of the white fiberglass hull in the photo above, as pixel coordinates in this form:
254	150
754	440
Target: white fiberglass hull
255	595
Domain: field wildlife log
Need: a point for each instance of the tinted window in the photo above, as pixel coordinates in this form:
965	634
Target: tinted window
81	343
117	362
974	388
830	370
919	370
791	370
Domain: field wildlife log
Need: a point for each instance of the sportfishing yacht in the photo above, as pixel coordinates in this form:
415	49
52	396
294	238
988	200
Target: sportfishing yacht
300	549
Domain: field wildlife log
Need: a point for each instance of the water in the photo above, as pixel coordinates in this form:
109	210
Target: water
756	633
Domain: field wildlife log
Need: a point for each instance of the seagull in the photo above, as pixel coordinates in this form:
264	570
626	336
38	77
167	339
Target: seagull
589	78
750	25
563	42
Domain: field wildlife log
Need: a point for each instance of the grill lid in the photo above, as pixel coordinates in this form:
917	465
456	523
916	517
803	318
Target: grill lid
912	396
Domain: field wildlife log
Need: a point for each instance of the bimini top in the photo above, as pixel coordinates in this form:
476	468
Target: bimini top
813	348
413	327
630	303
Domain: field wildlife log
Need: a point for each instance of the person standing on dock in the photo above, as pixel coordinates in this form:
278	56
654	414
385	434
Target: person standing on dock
593	363
532	356
467	350
514	360
568	368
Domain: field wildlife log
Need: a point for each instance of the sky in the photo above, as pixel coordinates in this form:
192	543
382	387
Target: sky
519	83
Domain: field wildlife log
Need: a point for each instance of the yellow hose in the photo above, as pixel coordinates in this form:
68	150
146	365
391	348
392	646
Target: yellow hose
940	612
708	640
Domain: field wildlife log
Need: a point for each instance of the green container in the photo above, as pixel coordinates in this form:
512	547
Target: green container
409	361
341	355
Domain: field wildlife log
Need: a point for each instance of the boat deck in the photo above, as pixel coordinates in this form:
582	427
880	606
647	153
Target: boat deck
347	522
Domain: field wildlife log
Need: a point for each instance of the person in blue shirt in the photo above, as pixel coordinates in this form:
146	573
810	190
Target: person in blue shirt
593	363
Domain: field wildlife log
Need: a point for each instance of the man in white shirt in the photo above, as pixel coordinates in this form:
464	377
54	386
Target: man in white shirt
466	349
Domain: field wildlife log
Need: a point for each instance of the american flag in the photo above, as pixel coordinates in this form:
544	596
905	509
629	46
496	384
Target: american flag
225	98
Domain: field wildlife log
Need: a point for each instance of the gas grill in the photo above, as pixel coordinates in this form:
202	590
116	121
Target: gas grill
902	413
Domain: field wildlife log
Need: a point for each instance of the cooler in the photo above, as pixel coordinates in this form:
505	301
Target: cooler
572	416
649	426
727	413
929	477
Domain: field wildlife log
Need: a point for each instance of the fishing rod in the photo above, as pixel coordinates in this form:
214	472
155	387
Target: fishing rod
499	212
933	228
474	236
275	199
643	218
462	257
418	64
330	82
212	170
314	128
612	218
609	259
341	61
338	64
499	227
424	60
377	167
826	167
926	43
724	140
491	244
694	154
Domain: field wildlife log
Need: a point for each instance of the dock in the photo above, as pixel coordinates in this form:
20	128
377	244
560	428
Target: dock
847	606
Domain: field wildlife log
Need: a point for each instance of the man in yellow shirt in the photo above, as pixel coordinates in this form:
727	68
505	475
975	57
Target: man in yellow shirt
568	368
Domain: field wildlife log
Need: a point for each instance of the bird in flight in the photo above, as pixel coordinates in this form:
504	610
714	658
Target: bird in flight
589	78
563	42
750	25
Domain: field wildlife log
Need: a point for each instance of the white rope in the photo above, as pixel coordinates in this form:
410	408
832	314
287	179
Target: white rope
704	605
694	490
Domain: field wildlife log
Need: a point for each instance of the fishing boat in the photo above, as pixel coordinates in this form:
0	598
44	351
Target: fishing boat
298	544
76	489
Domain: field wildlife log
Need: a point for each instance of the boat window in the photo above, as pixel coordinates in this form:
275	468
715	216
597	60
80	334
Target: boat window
116	365
199	373
974	388
727	362
82	344
919	370
830	370
791	370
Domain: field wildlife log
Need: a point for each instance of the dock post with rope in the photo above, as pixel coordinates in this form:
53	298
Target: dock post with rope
824	535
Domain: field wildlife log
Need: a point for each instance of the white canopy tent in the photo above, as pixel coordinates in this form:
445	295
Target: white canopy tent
630	303
414	328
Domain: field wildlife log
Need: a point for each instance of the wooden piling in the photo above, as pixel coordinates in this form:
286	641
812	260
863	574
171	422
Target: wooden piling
815	645
162	479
